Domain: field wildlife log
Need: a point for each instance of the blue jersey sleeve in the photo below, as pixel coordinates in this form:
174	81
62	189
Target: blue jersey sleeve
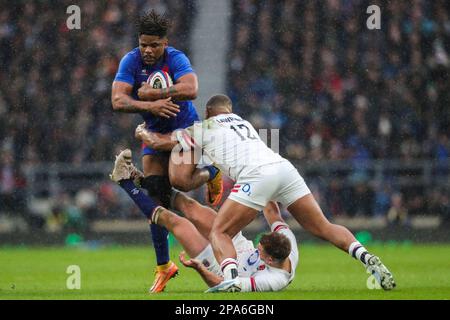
126	70
180	66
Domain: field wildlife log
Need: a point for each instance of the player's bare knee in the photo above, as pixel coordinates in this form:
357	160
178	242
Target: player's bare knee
218	231
180	183
171	220
189	207
215	233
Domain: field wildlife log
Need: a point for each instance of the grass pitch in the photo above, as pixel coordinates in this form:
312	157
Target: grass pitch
421	272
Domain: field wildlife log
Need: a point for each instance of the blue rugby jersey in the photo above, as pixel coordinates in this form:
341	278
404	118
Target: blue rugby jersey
134	71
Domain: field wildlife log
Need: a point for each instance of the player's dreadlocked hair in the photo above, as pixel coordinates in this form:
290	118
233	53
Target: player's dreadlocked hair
153	24
276	245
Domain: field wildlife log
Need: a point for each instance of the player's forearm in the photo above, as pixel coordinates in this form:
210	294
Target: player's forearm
178	92
125	103
159	141
272	213
211	279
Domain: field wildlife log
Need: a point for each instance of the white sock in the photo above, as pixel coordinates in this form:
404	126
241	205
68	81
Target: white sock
357	251
229	268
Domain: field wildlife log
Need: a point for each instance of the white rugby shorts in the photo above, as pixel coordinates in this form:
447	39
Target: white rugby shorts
279	182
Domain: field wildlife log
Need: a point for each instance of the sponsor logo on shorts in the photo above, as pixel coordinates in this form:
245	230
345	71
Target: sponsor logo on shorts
246	188
236	188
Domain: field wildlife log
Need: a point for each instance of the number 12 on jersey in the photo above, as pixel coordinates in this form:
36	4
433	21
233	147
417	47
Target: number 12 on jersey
242	128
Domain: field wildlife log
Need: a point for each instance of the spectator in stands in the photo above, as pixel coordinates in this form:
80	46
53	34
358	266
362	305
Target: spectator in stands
11	185
439	204
397	214
382	200
7	183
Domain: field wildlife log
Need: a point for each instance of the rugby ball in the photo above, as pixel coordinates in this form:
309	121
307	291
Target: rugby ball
160	80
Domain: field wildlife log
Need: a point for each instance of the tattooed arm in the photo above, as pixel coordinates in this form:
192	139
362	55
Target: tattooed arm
185	88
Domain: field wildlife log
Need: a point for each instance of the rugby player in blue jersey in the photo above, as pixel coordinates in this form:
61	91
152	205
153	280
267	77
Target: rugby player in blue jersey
164	110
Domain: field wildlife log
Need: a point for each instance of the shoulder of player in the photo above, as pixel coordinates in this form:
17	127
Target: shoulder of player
277	273
172	52
133	56
203	124
173	57
274	278
134	53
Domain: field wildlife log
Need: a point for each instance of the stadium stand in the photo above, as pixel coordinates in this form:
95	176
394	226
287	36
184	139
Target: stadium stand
368	104
56	84
341	92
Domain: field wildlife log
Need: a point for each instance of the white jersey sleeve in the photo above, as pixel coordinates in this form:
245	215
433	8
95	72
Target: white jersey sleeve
267	278
283	228
190	137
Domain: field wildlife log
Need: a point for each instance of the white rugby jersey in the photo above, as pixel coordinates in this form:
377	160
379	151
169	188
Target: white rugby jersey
231	143
255	275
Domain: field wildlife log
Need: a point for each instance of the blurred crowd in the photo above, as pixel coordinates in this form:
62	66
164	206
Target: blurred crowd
55	83
335	89
339	91
55	97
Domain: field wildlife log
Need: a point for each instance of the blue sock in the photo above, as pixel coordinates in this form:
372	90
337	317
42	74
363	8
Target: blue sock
212	171
147	205
144	202
161	243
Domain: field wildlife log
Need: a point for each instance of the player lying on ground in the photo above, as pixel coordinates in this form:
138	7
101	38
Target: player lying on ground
270	267
164	110
261	175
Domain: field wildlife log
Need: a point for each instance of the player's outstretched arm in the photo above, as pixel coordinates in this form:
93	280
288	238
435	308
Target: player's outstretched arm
123	102
211	279
272	213
185	88
154	140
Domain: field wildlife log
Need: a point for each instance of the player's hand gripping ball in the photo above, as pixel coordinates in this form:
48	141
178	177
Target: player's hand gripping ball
159	80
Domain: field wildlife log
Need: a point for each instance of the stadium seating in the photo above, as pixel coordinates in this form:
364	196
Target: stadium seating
338	92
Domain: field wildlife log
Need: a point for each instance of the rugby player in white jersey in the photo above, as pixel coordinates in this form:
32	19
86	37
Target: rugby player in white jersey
269	267
261	175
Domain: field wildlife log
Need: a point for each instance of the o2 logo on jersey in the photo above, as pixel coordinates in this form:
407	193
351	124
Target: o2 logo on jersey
254	257
246	189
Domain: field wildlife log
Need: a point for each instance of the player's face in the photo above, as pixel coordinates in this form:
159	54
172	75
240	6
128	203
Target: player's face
152	48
